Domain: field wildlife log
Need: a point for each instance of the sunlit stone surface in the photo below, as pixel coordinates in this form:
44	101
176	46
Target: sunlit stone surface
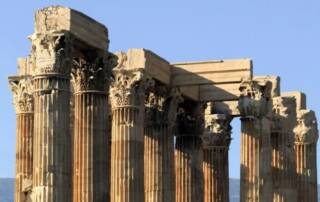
97	126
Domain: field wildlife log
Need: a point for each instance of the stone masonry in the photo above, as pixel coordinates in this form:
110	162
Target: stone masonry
95	126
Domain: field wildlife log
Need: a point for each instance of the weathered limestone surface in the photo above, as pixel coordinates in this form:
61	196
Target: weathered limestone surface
57	18
306	137
300	97
255	176
282	142
211	80
23	102
127	144
153	65
52	159
274	88
188	152
90	147
161	109
215	143
65	151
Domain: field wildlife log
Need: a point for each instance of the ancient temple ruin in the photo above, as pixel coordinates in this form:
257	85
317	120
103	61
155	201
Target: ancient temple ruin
95	126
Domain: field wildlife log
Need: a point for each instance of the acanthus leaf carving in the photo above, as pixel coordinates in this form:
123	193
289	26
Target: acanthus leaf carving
22	89
89	76
306	130
127	88
283	117
253	100
52	53
190	119
217	131
155	100
161	104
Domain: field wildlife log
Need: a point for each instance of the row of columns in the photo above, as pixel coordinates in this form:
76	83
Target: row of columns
278	147
53	165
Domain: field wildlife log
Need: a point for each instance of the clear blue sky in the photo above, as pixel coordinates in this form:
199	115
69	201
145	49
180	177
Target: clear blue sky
282	38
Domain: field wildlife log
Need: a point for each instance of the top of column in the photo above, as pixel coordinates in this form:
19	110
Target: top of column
62	19
253	100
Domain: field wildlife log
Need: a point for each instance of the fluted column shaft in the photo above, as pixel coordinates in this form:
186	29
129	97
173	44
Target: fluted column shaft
23	102
216	174
127	137
127	155
283	170
24	155
52	159
307	173
188	158
158	161
90	177
255	176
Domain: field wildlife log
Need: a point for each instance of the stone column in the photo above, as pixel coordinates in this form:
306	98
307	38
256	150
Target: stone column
215	143
255	176
188	153
23	102
282	142
52	146
306	137
127	166
90	177
161	107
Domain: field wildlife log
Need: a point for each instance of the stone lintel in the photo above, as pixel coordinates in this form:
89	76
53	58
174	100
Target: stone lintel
215	80
226	107
152	65
59	19
300	97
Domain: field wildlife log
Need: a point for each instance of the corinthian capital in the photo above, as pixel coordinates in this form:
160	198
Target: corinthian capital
217	131
22	90
161	104
155	101
52	53
190	119
127	88
306	130
89	75
253	100
284	114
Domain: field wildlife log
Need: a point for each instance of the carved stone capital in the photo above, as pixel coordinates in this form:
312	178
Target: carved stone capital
253	100
22	89
127	89
155	104
89	75
284	115
217	131
52	53
190	119
306	130
161	104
